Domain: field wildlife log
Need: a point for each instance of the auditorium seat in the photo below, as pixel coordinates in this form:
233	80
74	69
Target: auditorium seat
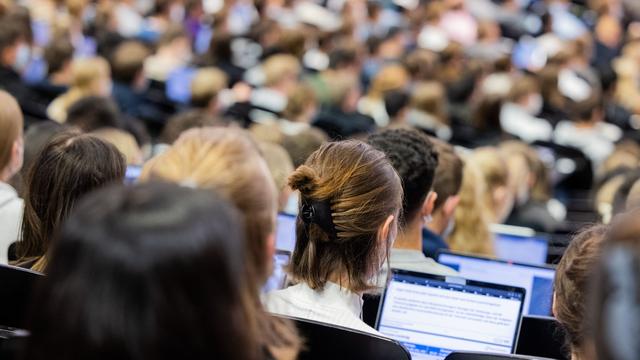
488	356
15	295
323	341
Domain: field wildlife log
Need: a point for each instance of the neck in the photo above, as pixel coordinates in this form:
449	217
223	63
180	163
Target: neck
340	278
5	175
438	225
411	237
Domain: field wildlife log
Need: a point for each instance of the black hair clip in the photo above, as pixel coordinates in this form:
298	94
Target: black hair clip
319	213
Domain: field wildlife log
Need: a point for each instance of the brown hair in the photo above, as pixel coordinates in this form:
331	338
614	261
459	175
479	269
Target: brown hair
430	97
128	60
58	53
11	121
303	144
360	189
448	177
228	161
278	67
572	280
206	85
300	100
181	122
495	172
68	167
522	87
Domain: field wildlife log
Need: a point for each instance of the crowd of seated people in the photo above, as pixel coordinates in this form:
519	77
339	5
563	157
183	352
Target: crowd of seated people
149	151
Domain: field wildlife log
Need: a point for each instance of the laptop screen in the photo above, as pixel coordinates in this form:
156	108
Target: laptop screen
279	275
520	244
536	280
286	232
432	316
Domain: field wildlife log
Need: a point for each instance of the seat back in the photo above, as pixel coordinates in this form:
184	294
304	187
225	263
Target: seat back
541	336
324	341
15	295
463	355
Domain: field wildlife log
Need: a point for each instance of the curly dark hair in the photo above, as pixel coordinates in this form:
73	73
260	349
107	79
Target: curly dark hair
415	159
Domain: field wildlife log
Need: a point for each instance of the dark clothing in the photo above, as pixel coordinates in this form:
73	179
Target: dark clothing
151	107
48	91
534	215
432	243
34	107
342	125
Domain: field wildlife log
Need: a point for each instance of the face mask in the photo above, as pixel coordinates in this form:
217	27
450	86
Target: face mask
23	57
534	105
176	13
449	229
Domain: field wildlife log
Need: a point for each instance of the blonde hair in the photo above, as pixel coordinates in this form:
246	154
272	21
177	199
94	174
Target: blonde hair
471	232
86	76
11	123
278	67
206	85
430	97
280	166
493	169
390	77
124	142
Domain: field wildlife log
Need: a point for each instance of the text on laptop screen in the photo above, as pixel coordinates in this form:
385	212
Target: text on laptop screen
523	249
537	280
286	232
432	318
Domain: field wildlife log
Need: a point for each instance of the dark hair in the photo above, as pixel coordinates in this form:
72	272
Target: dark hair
145	272
70	166
572	281
583	110
10	33
181	122
414	159
358	189
449	173
93	113
58	53
395	101
342	57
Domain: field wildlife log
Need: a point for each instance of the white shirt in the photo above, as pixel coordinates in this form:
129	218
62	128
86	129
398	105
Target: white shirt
415	260
11	208
597	143
333	305
515	120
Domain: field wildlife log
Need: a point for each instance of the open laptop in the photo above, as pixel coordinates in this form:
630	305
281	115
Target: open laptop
432	315
536	279
541	336
286	232
520	244
279	276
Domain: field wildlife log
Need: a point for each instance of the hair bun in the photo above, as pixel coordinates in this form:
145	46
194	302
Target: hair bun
304	179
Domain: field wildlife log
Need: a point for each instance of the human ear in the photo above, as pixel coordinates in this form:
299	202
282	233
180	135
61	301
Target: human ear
429	204
388	228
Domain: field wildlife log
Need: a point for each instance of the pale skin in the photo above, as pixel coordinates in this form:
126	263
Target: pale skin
15	164
411	237
443	215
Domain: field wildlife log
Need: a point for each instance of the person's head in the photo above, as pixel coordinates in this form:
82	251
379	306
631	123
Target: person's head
446	184
430	97
14	48
350	200
613	305
494	169
572	282
58	55
11	141
205	87
587	111
94	112
280	166
303	144
415	160
389	78
136	267
281	71
71	165
471	230
396	103
228	161
184	121
525	91
124	142
91	76
301	105
127	62
344	91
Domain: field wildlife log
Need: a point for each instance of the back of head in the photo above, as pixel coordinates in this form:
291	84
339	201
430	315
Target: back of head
348	190
415	160
11	123
206	85
127	61
136	268
390	78
572	282
228	161
58	53
430	97
522	87
86	72
303	144
612	316
124	142
280	67
395	102
68	167
93	113
494	170
448	175
184	121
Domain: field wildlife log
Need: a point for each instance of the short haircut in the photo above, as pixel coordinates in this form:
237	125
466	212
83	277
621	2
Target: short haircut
395	101
303	144
58	53
11	123
94	112
342	57
278	67
523	86
414	159
206	85
127	61
583	110
448	176
184	121
10	33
